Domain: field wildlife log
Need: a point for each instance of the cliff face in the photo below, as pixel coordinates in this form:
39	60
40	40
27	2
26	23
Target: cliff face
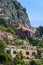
13	10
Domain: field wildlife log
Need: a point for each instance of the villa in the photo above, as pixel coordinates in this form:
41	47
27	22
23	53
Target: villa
29	52
26	31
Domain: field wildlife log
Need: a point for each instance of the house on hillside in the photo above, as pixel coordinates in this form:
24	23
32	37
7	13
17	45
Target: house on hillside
29	52
28	31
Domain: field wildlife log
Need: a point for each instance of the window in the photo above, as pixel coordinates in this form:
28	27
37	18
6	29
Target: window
8	51
27	53
27	57
14	52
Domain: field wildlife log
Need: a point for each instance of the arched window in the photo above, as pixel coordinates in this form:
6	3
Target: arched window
27	57
8	51
14	52
27	53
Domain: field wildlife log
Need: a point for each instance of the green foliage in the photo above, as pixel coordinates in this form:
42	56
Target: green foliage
19	55
19	59
5	25
19	32
40	44
39	50
7	29
10	30
33	41
39	31
2	46
32	62
36	62
26	38
18	43
2	22
4	58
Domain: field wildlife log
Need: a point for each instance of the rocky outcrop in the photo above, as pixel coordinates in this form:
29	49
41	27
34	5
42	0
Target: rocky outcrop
12	9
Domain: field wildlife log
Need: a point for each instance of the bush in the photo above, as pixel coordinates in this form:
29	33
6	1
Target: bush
36	62
7	29
33	41
10	30
3	22
39	31
2	46
4	57
18	60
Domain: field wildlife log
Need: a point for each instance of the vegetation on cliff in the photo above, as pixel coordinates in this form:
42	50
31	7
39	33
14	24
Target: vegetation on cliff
14	15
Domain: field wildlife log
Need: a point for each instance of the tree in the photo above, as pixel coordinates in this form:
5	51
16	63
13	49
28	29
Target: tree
39	31
2	46
32	62
33	41
10	30
18	60
3	22
36	62
5	58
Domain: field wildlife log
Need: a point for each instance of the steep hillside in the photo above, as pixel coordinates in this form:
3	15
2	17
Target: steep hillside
12	9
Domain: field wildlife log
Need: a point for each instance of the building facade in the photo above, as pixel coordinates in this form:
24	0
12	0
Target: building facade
29	52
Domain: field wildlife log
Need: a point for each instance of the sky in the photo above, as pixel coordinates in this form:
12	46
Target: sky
35	11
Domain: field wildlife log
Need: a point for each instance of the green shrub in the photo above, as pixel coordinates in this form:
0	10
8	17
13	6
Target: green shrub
7	29
3	22
2	46
10	30
4	58
36	62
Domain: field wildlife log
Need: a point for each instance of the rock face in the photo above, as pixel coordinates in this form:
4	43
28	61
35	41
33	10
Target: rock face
12	9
